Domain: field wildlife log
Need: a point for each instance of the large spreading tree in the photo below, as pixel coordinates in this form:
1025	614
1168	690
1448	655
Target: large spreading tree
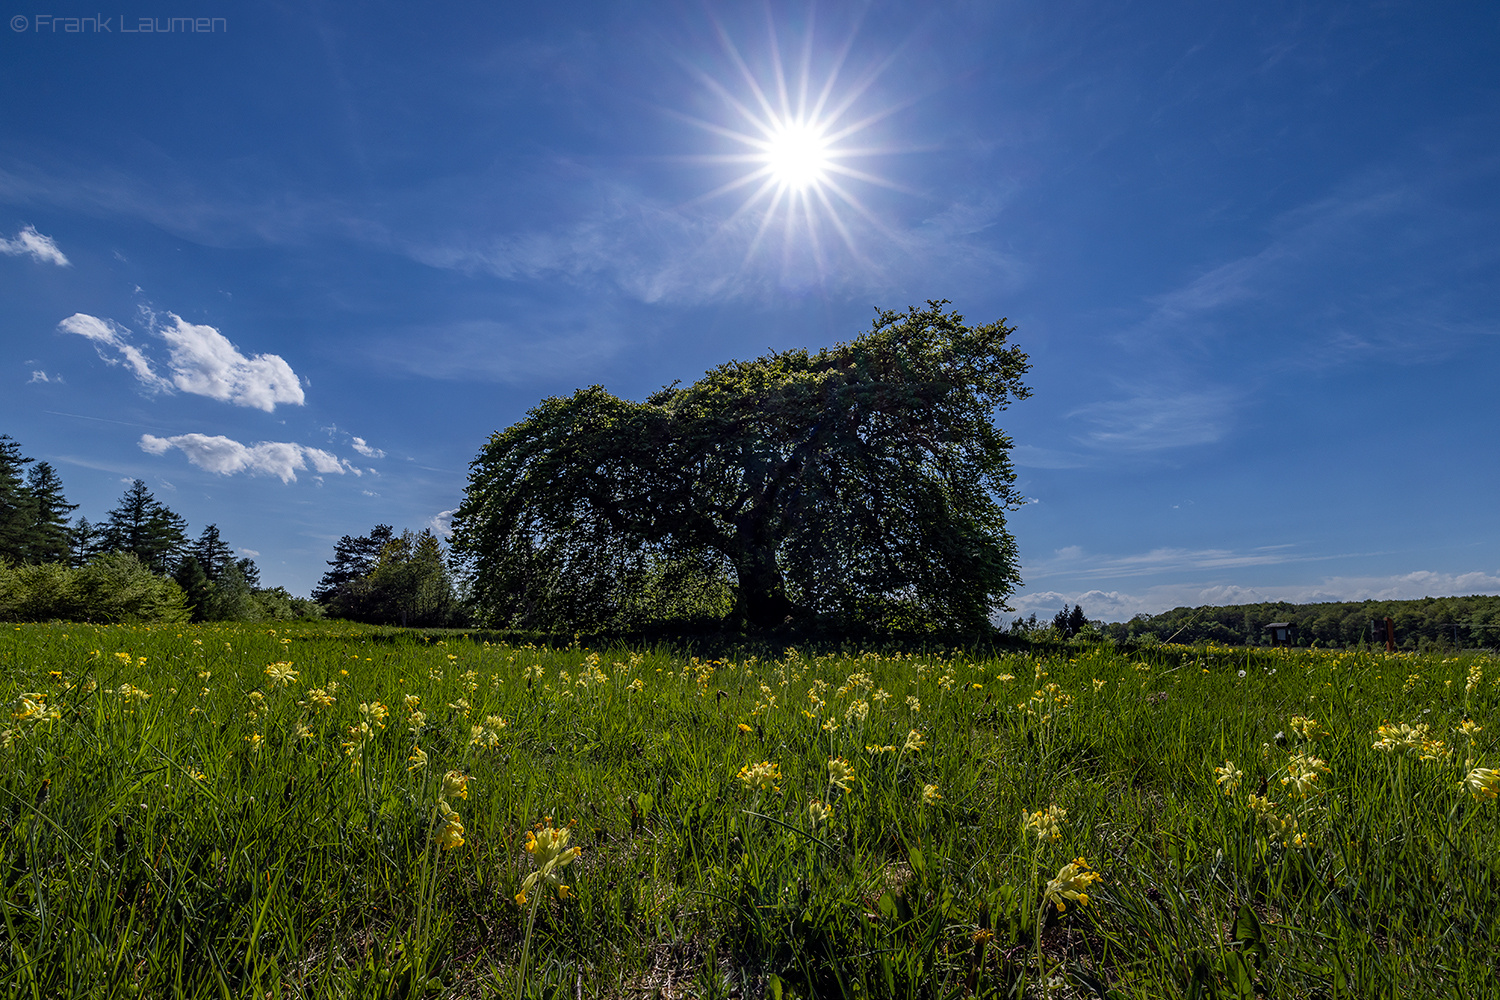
866	484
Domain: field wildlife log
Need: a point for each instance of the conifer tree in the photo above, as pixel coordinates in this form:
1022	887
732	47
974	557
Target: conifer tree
47	538
14	508
143	525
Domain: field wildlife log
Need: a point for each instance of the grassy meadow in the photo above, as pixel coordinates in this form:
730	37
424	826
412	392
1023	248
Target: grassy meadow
329	810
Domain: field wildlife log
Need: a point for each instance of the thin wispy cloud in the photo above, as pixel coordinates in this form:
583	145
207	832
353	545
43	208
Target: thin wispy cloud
657	253
1165	417
363	447
201	361
1120	605
1074	562
225	456
30	243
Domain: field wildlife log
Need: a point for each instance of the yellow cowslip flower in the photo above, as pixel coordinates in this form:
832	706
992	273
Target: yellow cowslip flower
1469	728
455	785
761	777
1483	783
131	693
1302	773
914	703
281	674
548	847
411	701
1476	674
914	742
830	725
839	773
255	740
1229	777
857	711
1072	883
418	758
418	720
1045	823
33	707
930	795
317	697
873	749
1308	729
374	712
451	833
1005	678
818	813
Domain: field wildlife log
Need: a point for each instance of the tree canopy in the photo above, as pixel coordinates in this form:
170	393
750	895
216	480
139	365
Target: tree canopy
865	483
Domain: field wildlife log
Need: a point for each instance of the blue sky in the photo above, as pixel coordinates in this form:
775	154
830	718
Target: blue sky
292	269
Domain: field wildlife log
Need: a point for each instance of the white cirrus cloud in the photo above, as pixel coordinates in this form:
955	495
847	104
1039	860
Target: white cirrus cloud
202	361
107	333
30	243
364	448
226	456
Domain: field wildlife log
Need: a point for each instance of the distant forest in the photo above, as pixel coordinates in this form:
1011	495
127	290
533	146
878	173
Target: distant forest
1425	624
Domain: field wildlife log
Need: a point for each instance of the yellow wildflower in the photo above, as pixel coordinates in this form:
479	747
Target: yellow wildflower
1483	783
1045	823
839	773
914	742
1072	883
418	759
281	674
548	847
930	795
455	785
818	813
761	777
451	833
1229	777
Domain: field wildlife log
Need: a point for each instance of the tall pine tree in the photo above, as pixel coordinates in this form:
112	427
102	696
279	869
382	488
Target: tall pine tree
48	538
143	525
14	505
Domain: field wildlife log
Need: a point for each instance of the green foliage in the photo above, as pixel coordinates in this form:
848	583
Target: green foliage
277	605
115	587
1431	622
407	583
866	483
147	528
177	822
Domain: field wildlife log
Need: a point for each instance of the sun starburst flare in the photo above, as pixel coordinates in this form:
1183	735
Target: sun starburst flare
796	149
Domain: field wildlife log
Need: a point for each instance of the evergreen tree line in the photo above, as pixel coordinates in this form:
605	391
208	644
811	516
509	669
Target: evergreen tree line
1429	623
138	564
388	579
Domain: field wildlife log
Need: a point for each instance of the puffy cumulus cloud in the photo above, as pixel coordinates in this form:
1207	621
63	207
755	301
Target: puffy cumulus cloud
205	363
201	360
30	243
364	448
226	456
441	523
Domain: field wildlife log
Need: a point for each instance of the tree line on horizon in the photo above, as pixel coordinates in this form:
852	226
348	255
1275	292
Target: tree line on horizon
1471	622
137	564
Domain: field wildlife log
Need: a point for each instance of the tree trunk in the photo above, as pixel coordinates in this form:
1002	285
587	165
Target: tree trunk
762	593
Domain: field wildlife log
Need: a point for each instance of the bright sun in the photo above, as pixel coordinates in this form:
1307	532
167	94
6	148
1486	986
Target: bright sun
794	138
797	154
